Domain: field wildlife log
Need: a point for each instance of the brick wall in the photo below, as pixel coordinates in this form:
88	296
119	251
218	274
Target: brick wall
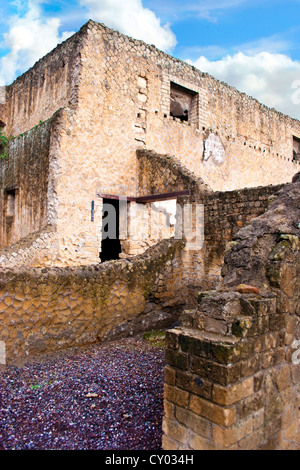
232	377
232	385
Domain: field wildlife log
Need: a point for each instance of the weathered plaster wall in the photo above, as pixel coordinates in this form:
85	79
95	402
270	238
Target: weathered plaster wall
115	92
224	213
121	107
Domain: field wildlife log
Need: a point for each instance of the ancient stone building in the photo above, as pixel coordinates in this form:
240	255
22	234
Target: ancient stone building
126	174
80	114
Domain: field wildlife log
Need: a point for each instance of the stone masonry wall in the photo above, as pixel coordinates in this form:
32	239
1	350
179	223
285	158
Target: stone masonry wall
46	309
119	110
49	85
24	185
232	376
130	82
115	95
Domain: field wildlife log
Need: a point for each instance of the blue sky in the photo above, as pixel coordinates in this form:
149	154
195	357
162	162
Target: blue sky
252	45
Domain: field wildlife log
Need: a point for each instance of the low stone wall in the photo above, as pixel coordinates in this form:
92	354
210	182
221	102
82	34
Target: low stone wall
44	309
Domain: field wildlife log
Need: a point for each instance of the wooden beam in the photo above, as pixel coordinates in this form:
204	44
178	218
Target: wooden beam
145	199
161	197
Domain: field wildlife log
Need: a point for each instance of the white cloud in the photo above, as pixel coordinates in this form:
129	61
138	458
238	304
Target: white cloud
268	77
29	38
131	18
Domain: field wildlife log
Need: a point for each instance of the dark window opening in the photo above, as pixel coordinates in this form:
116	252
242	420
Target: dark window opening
110	245
10	202
296	149
183	103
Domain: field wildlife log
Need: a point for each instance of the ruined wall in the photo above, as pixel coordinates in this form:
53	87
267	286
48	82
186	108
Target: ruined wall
48	86
46	309
24	185
116	92
232	376
121	107
29	202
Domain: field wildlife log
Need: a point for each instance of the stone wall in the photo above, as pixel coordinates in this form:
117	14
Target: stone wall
24	185
46	309
232	376
131	81
224	213
49	85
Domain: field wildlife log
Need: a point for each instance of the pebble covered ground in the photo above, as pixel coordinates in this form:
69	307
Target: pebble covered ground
98	397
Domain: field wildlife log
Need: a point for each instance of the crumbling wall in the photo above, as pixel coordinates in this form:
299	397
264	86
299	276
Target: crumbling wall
232	376
51	84
24	185
161	174
29	201
44	309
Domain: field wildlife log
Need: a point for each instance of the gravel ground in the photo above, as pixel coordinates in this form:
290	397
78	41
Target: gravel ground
100	397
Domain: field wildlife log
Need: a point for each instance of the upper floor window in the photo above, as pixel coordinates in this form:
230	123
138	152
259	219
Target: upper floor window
183	103
296	149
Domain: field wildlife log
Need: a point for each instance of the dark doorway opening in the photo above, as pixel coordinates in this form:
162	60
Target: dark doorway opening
110	245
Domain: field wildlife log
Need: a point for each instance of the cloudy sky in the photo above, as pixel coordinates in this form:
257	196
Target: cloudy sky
252	45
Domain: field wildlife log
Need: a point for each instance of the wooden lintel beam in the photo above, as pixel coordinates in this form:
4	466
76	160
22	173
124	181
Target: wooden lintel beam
161	197
145	199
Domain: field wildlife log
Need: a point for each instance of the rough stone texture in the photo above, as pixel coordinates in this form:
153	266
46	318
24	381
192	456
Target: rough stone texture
24	177
233	363
44	309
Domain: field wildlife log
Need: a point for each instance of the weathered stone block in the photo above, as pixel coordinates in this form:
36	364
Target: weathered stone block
214	413
177	359
193	421
233	393
176	395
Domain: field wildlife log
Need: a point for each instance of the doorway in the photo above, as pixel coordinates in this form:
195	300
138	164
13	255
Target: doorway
110	245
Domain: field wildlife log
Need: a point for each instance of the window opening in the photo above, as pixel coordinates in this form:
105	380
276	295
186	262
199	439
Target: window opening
10	202
183	103
296	149
110	245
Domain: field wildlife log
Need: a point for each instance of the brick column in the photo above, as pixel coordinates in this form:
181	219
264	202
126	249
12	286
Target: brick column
227	383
